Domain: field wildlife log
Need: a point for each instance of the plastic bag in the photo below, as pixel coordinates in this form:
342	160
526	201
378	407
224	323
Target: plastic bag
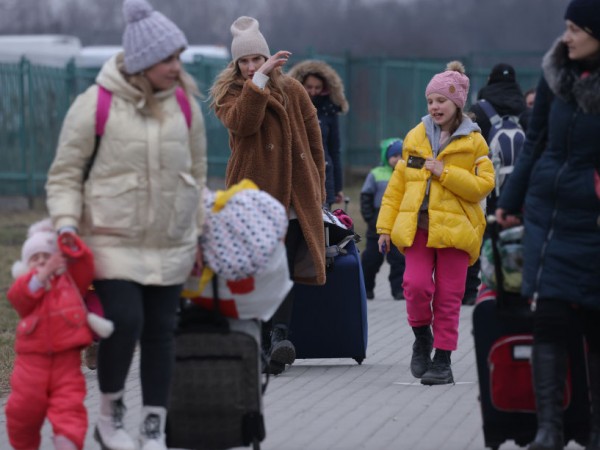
510	248
255	297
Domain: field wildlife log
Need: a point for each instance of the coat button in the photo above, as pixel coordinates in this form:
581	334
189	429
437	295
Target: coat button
302	155
270	146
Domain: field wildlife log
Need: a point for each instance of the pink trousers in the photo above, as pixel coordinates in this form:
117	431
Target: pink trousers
434	285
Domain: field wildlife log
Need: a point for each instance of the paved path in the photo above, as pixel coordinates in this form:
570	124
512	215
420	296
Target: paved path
335	404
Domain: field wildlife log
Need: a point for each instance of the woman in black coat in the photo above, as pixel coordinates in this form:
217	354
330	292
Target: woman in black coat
326	91
552	185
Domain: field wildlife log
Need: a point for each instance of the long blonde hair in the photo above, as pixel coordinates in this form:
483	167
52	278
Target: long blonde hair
231	75
140	82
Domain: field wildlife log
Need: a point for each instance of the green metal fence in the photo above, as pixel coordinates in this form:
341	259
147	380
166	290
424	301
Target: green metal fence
386	99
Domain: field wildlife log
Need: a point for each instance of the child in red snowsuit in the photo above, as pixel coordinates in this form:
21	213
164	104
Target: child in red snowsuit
47	380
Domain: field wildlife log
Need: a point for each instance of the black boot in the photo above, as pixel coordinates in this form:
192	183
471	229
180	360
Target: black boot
549	364
440	371
594	376
421	355
282	350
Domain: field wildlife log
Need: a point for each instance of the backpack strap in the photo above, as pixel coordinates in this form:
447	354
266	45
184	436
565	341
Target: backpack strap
184	104
102	111
490	112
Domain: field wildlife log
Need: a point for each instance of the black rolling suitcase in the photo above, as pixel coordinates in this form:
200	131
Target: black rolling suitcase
216	394
502	329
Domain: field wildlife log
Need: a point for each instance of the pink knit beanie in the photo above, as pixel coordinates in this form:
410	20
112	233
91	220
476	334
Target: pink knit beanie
452	84
41	238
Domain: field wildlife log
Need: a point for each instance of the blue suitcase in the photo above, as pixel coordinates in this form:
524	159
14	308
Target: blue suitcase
330	321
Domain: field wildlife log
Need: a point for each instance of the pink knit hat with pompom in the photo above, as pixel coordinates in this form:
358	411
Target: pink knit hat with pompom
452	84
41	238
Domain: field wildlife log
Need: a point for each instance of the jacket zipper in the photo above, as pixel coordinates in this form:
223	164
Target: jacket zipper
554	214
435	154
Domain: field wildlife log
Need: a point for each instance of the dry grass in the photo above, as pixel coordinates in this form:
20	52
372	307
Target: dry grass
13	229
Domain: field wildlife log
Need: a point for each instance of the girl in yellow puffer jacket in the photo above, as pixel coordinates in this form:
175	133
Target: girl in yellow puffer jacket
432	211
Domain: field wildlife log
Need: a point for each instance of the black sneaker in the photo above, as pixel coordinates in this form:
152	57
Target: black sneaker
370	295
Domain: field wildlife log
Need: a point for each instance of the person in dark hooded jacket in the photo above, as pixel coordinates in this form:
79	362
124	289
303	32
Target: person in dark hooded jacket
504	94
552	186
326	91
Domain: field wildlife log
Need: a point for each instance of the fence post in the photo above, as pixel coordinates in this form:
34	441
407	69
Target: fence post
383	100
25	129
70	82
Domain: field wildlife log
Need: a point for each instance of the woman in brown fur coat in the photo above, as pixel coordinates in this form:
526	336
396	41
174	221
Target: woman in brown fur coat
275	141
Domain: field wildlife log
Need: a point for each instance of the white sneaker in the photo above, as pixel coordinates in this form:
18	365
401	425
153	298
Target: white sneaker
152	428
109	432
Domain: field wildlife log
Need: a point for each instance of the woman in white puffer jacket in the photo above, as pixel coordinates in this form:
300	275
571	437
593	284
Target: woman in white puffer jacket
139	210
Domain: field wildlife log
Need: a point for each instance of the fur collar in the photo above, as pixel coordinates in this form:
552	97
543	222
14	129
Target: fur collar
335	85
563	77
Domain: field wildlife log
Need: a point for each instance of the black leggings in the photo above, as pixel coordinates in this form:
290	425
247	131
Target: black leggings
140	313
554	317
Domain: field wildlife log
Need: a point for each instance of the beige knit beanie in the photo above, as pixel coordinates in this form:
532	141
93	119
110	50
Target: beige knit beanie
247	39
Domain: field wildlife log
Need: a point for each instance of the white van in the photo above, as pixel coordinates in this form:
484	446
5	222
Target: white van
44	49
95	55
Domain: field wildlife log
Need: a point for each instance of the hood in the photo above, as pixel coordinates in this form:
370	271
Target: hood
111	77
335	85
466	127
383	145
563	76
506	97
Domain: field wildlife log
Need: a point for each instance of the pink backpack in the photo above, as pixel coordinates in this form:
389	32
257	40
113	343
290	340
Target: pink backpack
103	109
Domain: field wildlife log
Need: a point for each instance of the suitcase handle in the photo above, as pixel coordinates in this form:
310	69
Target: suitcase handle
222	320
494	228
